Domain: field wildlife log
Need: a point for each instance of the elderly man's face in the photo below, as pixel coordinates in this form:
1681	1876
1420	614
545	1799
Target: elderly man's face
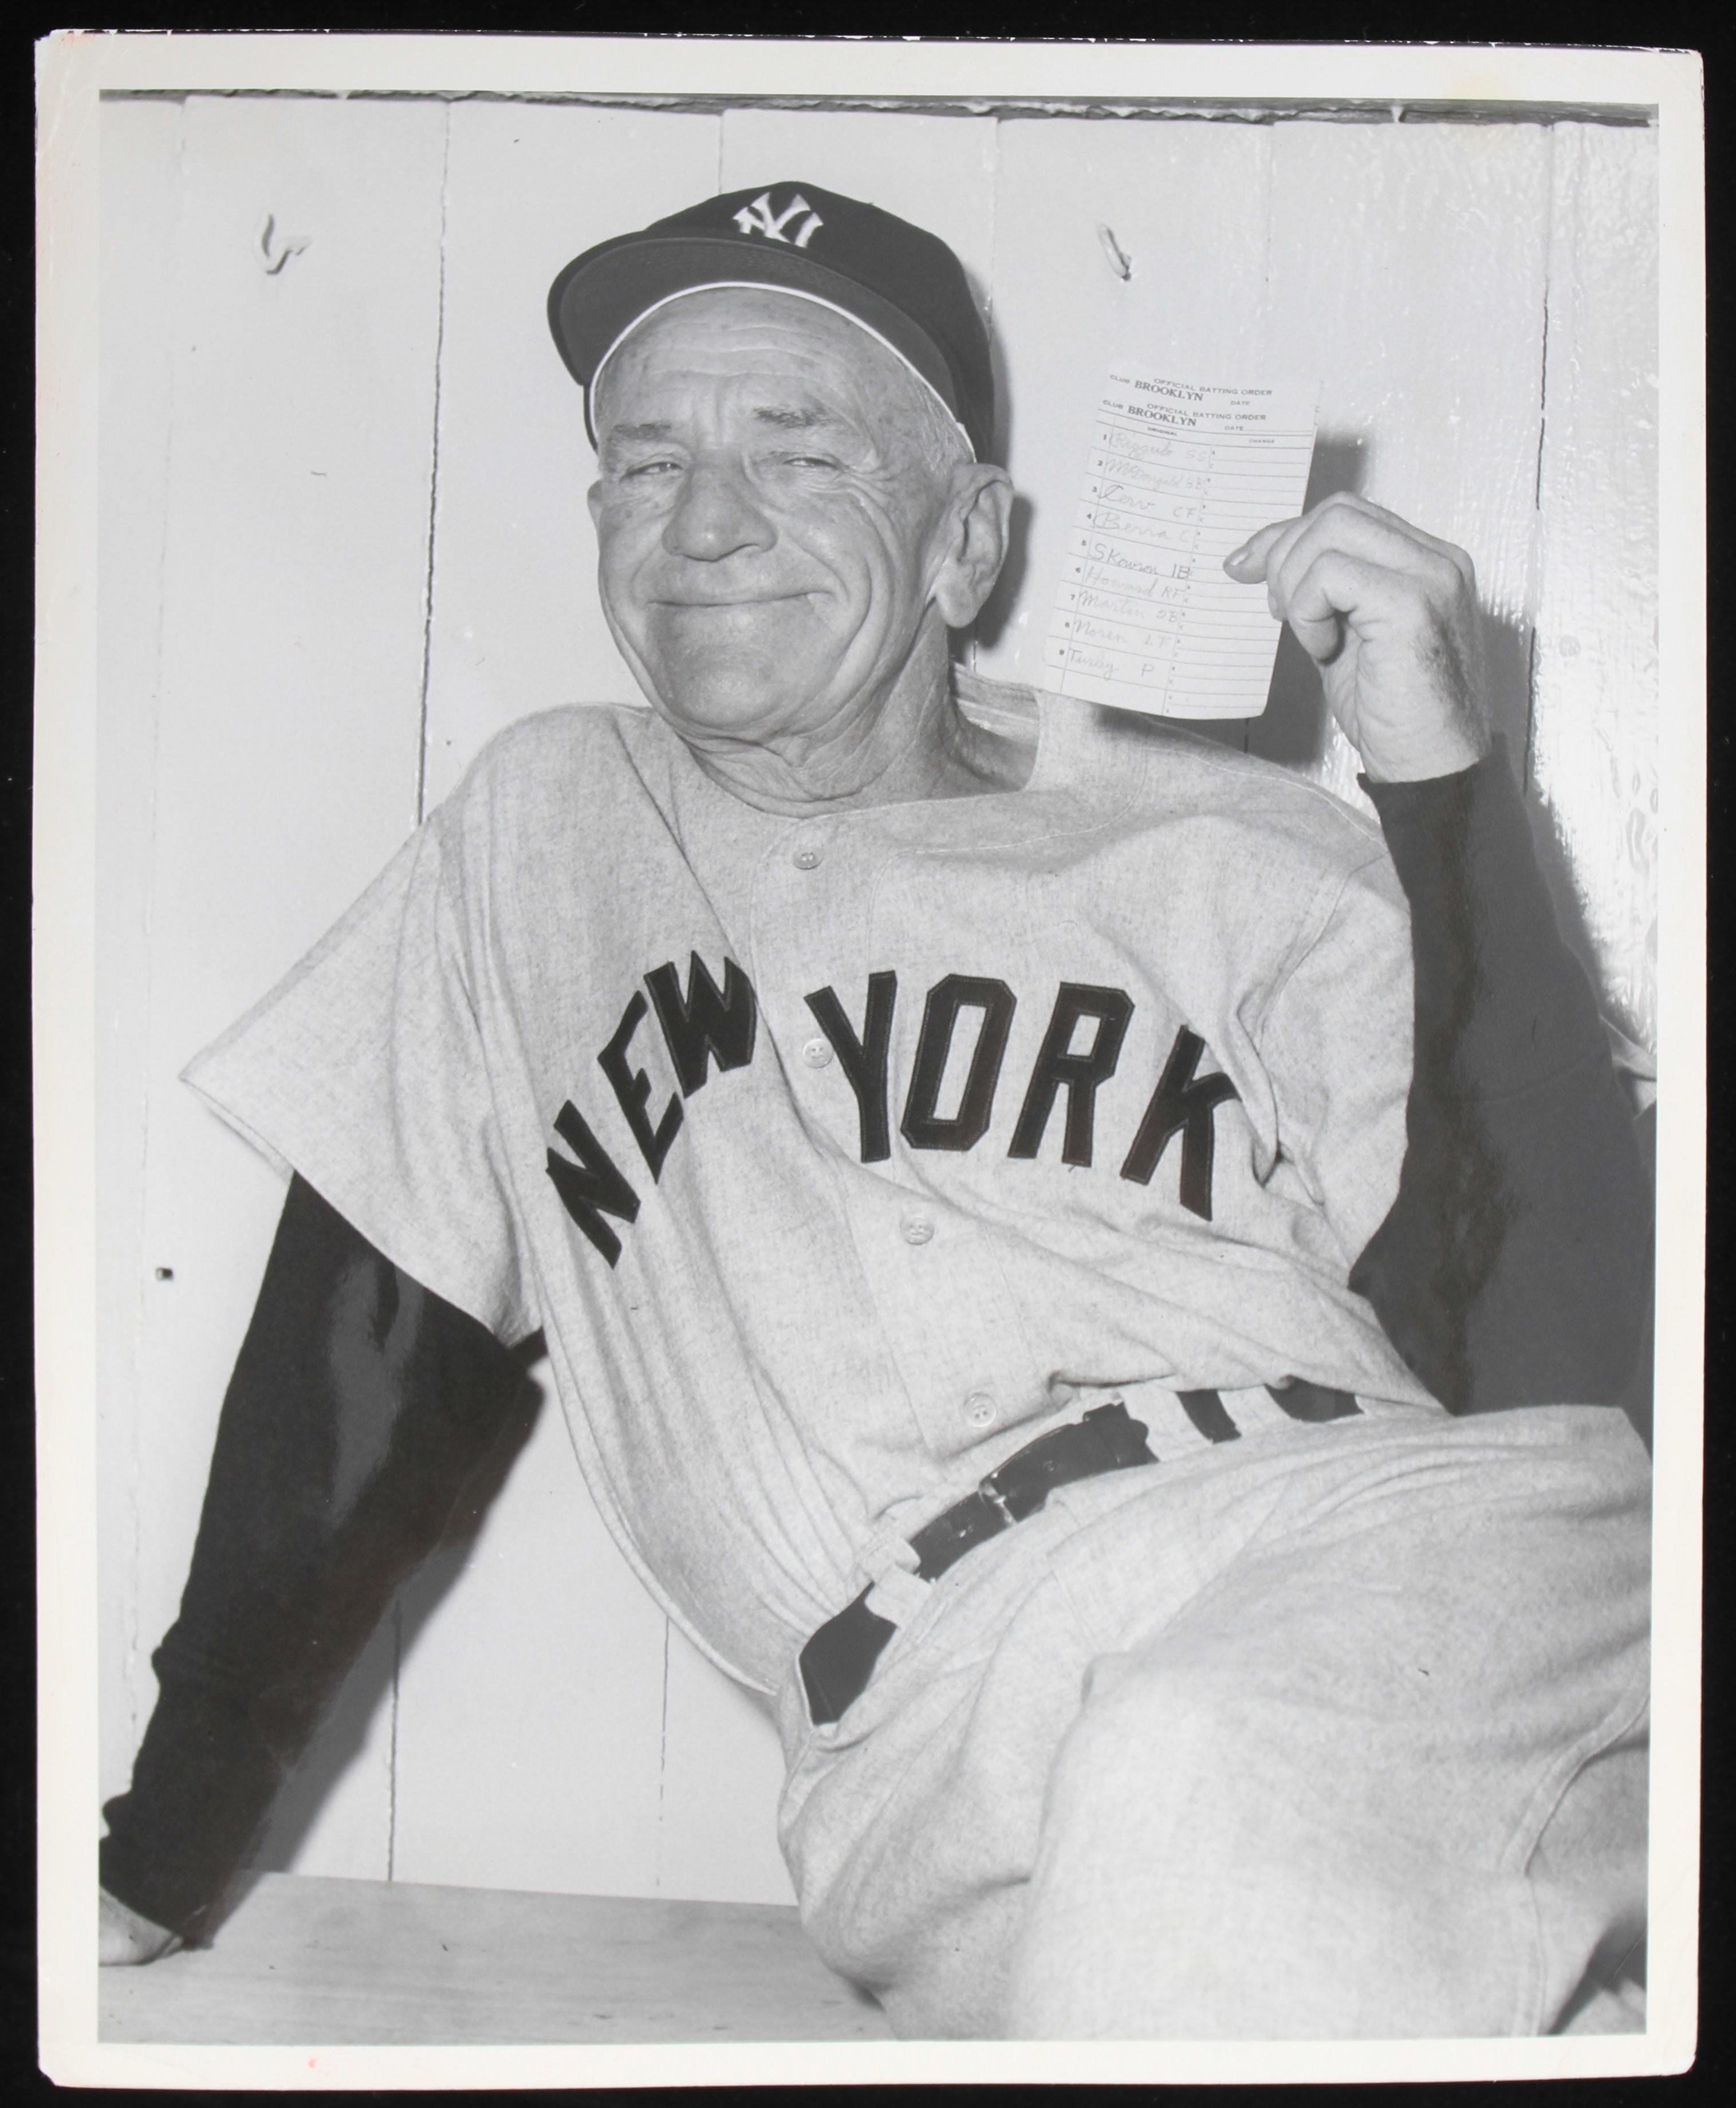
771	513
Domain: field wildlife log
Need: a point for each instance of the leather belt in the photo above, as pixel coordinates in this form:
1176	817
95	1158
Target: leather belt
838	1660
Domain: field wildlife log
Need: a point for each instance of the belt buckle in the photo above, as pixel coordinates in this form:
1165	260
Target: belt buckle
997	1500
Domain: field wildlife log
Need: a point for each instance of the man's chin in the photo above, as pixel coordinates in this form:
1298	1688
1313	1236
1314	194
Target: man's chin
750	698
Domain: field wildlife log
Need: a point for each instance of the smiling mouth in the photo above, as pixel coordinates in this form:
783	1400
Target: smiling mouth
743	600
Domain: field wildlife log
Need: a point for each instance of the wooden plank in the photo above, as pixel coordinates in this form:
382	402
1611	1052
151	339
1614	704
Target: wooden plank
516	625
530	1698
140	146
530	1705
1186	205
314	1961
1407	272
292	586
1594	736
722	1771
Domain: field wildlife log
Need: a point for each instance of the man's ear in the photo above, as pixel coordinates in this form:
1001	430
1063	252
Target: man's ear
975	548
593	498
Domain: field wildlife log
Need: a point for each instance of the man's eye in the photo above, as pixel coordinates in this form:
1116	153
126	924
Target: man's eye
809	461
644	471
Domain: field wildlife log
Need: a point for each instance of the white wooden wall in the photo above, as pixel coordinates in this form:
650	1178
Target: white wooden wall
343	541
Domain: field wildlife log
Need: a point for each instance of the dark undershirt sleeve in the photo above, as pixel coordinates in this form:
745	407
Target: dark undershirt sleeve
359	1405
1514	1267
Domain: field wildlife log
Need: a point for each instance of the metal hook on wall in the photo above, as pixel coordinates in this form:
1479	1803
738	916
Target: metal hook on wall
1120	261
273	252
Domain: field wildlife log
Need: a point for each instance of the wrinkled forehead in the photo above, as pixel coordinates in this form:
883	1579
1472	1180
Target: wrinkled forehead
829	343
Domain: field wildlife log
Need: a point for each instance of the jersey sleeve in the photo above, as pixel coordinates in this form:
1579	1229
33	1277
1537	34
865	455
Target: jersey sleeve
364	1070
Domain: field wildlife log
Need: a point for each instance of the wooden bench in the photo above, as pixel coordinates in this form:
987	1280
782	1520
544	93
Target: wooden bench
308	1959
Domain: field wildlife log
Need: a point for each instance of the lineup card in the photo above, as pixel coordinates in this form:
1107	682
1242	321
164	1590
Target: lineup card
1179	473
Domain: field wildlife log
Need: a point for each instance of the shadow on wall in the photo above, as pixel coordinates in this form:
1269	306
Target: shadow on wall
342	1735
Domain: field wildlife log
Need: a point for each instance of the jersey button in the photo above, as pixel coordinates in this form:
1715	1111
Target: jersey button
980	1410
816	1053
806	858
917	1225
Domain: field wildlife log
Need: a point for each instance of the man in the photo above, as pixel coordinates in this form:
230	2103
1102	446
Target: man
1070	1262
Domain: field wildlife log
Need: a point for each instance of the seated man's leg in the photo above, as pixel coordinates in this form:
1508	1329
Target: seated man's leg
1383	1776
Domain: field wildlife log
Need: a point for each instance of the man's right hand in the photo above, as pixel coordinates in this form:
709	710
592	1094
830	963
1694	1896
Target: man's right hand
123	1937
1389	614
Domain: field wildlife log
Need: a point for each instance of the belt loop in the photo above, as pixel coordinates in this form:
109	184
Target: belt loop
886	1551
897	1595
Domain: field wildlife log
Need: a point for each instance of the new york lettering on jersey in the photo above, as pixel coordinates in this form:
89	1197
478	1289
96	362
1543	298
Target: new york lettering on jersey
711	1026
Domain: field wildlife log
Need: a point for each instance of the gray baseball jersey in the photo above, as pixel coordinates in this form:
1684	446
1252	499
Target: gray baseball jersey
838	1157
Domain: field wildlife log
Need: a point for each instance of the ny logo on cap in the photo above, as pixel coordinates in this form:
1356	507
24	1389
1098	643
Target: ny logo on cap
759	219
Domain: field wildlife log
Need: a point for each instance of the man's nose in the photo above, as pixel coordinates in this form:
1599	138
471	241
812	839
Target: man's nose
716	514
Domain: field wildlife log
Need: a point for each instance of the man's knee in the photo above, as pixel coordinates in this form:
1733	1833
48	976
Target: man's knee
1162	1749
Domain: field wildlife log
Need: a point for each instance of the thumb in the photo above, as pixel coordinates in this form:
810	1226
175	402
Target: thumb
1248	565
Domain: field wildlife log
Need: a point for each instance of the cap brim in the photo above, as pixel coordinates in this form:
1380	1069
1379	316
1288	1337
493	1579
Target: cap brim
601	295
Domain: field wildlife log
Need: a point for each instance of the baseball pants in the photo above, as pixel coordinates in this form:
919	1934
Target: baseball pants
1337	1731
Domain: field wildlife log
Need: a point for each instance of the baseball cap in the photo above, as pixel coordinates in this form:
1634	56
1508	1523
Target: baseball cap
900	283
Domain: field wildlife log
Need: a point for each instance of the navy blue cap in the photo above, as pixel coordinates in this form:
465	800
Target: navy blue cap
900	282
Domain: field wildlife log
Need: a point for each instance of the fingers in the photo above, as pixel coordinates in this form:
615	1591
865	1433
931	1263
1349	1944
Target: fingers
124	1940
1339	591
1348	501
1353	524
1335	589
1378	565
1437	585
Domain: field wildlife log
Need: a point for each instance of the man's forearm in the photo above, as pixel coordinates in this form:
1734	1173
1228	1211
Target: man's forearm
1513	1267
359	1404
